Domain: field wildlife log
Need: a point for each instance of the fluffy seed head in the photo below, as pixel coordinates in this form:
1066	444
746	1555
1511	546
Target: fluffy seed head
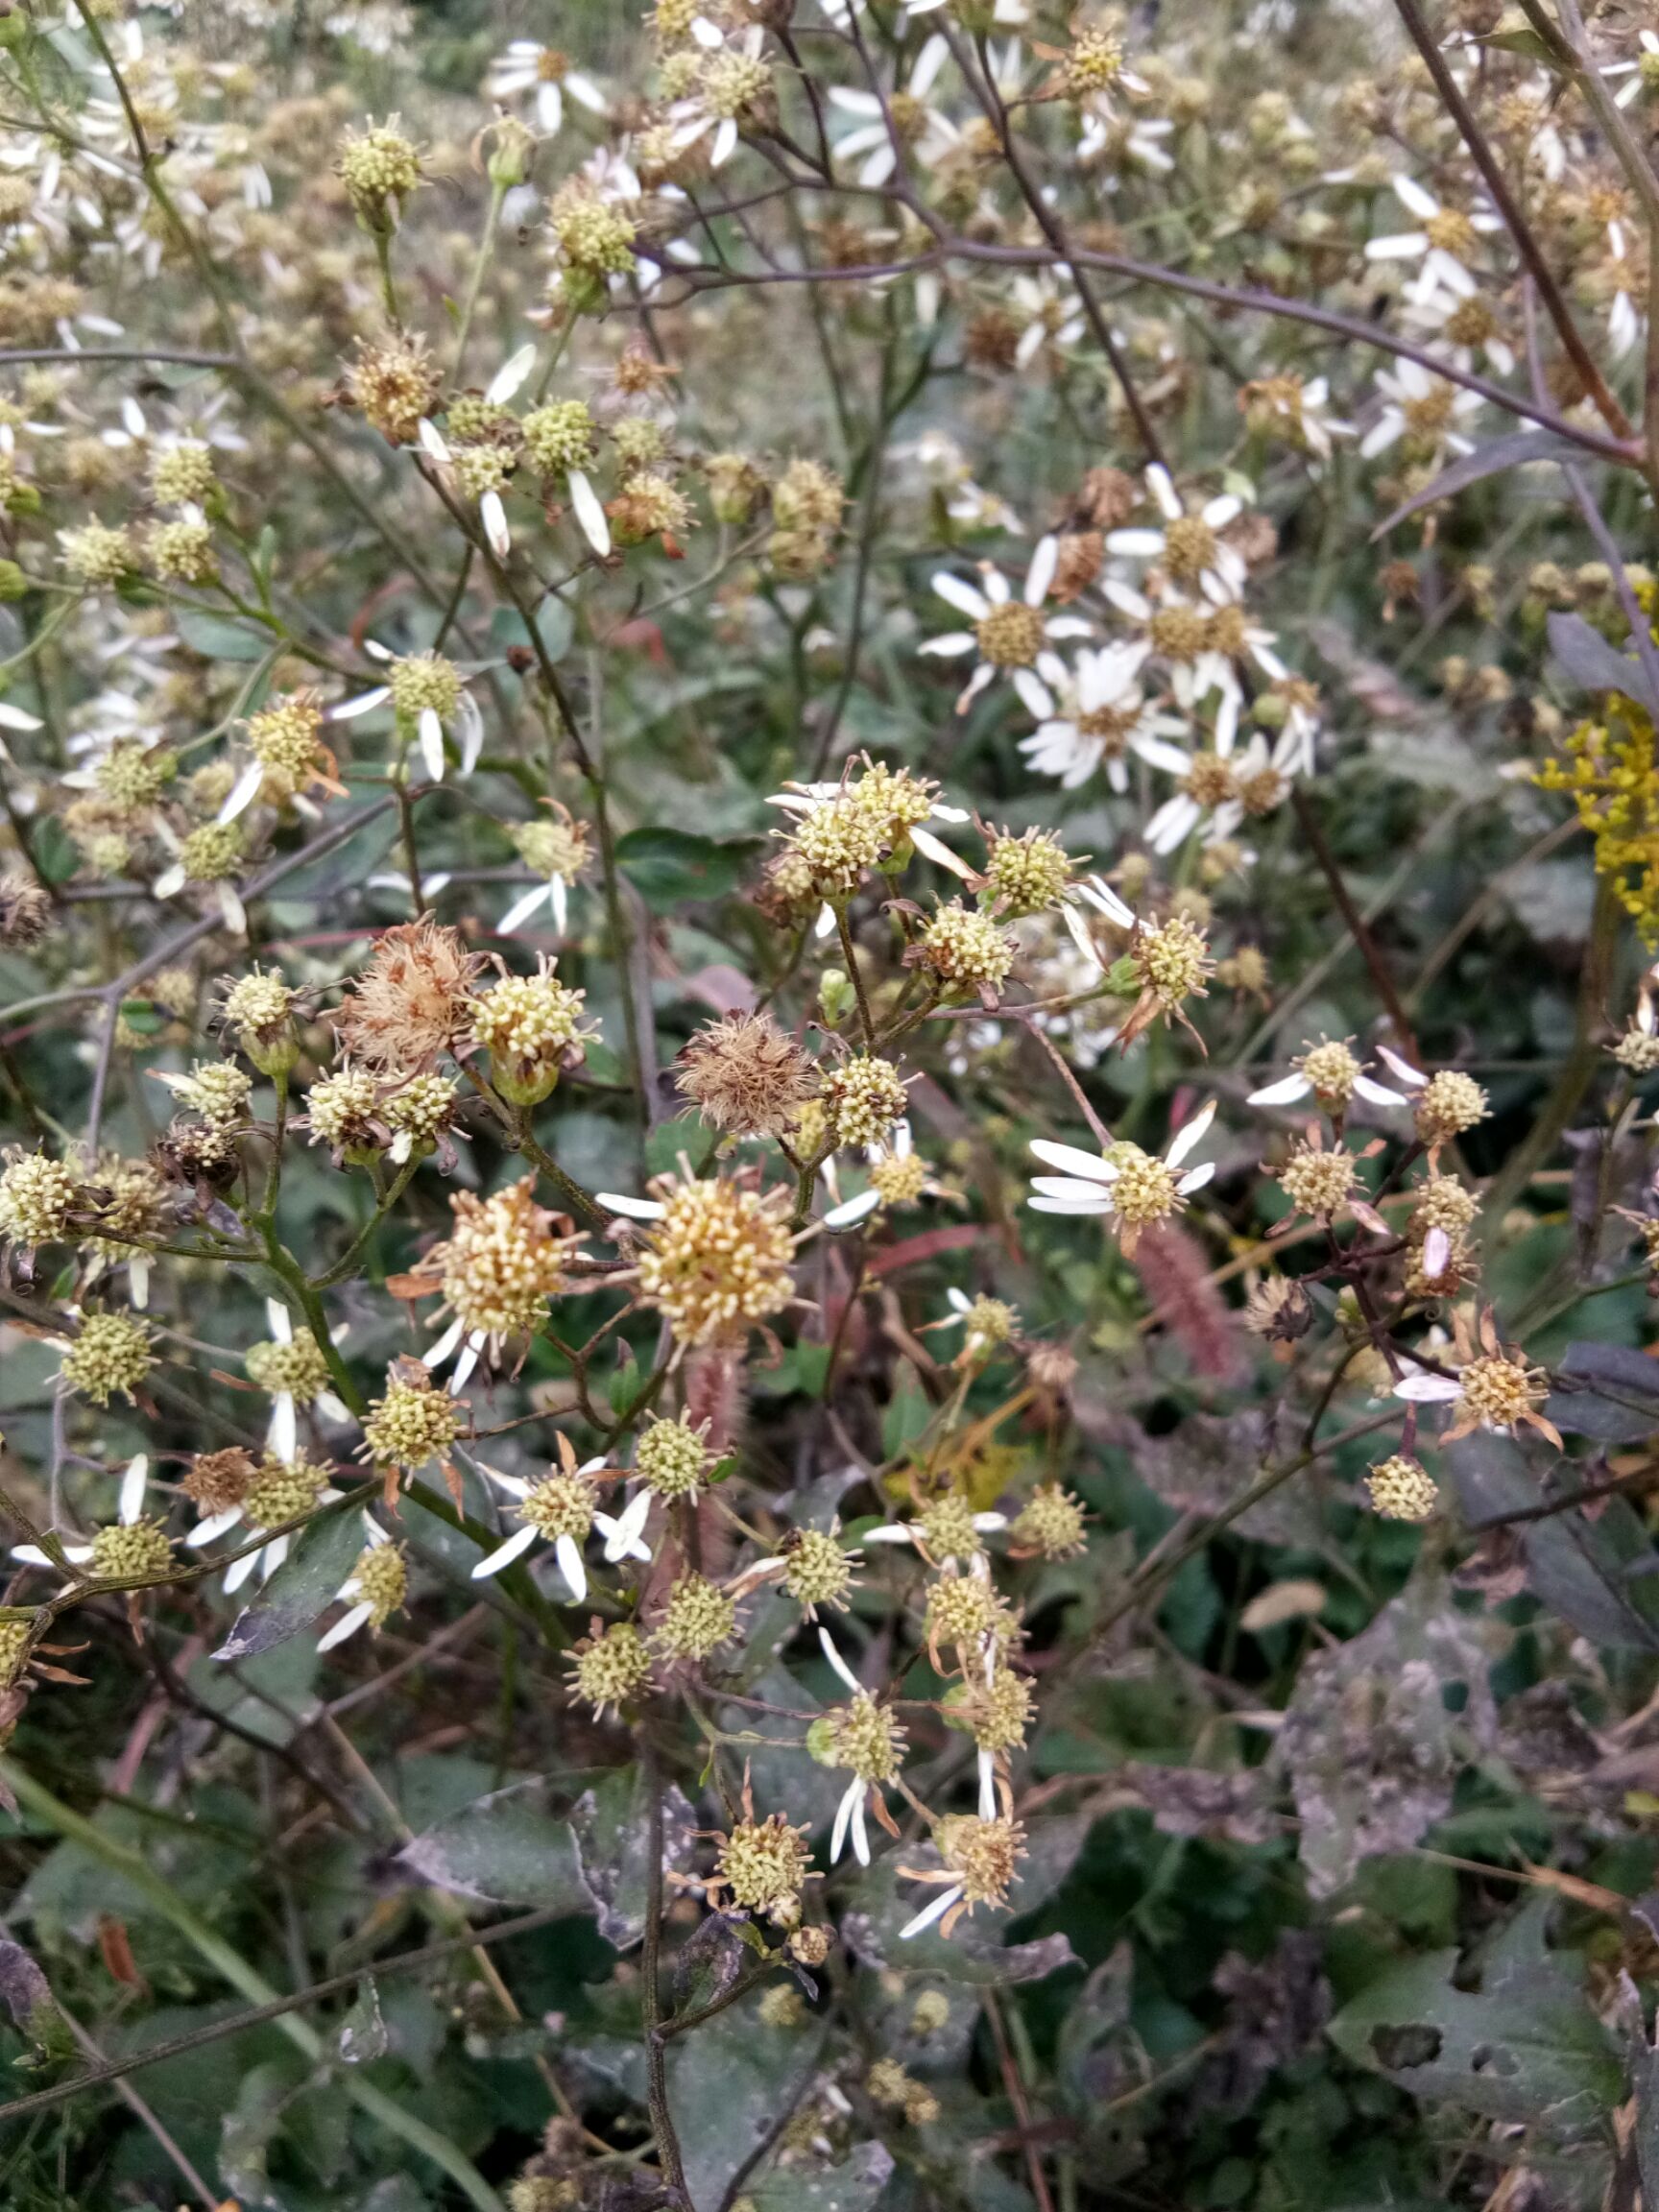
25	912
1279	1311
218	1481
413	1001
394	384
746	1076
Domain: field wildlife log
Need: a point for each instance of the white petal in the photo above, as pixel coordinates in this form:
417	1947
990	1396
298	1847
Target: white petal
432	743
958	1300
987	1786
15	718
348	1624
568	1553
635	1209
1196	1179
1041	573
725	143
284	1433
843	1816
965	597
133	1486
1436	1253
504	1554
170	883
937	1911
465	1362
1281	1094
365	703
469	735
860	1833
590	512
1413	1077
1427	1389
1074	1161
239	1569
510	375
1138	545
1034	694
432	443
852	1210
1079	1204
215	1525
837	1662
441	1347
494	516
1106	901
940	853
1377	1093
1190	1135
243	792
522	909
1415	199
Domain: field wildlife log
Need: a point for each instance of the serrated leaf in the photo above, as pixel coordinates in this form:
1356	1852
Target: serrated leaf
1522	2046
507	1848
305	1586
611	1827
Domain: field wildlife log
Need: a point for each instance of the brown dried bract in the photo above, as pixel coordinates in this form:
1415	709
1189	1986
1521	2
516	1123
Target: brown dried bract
413	1001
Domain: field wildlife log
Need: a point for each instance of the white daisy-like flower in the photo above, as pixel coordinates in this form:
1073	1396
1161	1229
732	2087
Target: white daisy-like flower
913	1531
1626	325
1437	314
1424	406
130	1507
1051	315
922	130
1642	72
542	74
1094	712
1300	1084
850	1813
1089	1182
461	721
263	1560
695	117
1445	242
492	510
360	1611
1008	634
848	1213
1254	781
1188	548
622	1531
282	1436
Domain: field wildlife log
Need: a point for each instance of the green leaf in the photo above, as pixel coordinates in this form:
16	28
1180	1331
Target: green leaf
1522	2046
144	1016
305	1585
974	1952
610	1826
670	866
217	637
506	1848
853	2186
56	853
730	2083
